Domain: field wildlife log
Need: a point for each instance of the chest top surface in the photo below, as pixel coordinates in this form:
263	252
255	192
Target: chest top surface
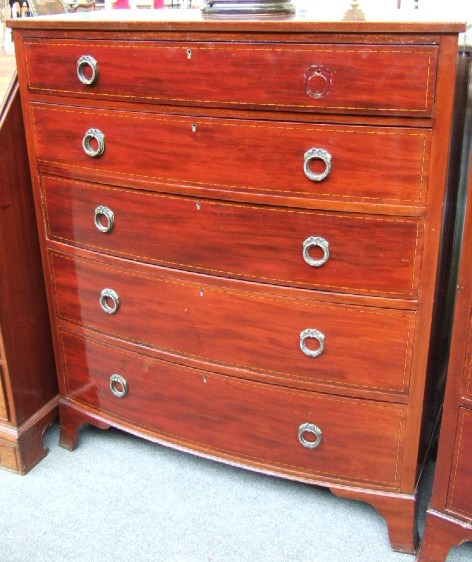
328	21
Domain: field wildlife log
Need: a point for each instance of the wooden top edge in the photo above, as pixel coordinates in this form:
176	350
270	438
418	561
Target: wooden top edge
398	21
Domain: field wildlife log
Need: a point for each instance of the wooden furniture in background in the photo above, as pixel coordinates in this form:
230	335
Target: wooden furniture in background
449	517
28	386
240	228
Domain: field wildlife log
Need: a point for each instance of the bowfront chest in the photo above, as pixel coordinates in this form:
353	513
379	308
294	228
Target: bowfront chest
240	226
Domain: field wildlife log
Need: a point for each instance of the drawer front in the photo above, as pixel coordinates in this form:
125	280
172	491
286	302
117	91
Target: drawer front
329	251
276	76
254	423
235	325
374	165
460	485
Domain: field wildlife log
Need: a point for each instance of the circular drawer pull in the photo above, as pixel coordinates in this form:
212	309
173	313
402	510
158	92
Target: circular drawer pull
312	334
118	386
314	431
317	154
87	69
109	301
318	81
98	138
104	218
315	242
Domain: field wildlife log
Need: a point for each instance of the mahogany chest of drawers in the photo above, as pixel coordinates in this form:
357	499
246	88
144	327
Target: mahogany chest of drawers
28	385
240	226
449	517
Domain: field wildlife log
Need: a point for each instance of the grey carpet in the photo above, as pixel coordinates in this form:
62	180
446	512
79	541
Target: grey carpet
118	498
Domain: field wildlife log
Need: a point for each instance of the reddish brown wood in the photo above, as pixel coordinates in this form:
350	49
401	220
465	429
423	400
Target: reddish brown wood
467	377
28	386
240	241
441	534
449	518
428	380
277	77
245	420
3	399
21	448
460	484
236	331
250	328
370	165
399	512
71	420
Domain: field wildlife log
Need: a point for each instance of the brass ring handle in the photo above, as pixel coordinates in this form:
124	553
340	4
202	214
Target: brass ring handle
104	218
317	154
87	63
109	301
315	242
312	334
314	431
118	386
93	135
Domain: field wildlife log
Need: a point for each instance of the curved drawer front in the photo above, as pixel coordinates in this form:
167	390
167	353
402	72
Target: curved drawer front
268	333
275	76
376	165
237	420
317	250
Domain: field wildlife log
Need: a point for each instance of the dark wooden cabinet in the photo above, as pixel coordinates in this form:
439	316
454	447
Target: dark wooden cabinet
449	517
240	226
28	385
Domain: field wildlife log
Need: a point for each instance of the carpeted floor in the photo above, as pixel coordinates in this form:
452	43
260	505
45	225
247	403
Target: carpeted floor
117	498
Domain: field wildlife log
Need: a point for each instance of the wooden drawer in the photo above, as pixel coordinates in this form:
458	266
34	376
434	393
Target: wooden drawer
276	76
254	423
460	485
376	165
373	255
252	328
